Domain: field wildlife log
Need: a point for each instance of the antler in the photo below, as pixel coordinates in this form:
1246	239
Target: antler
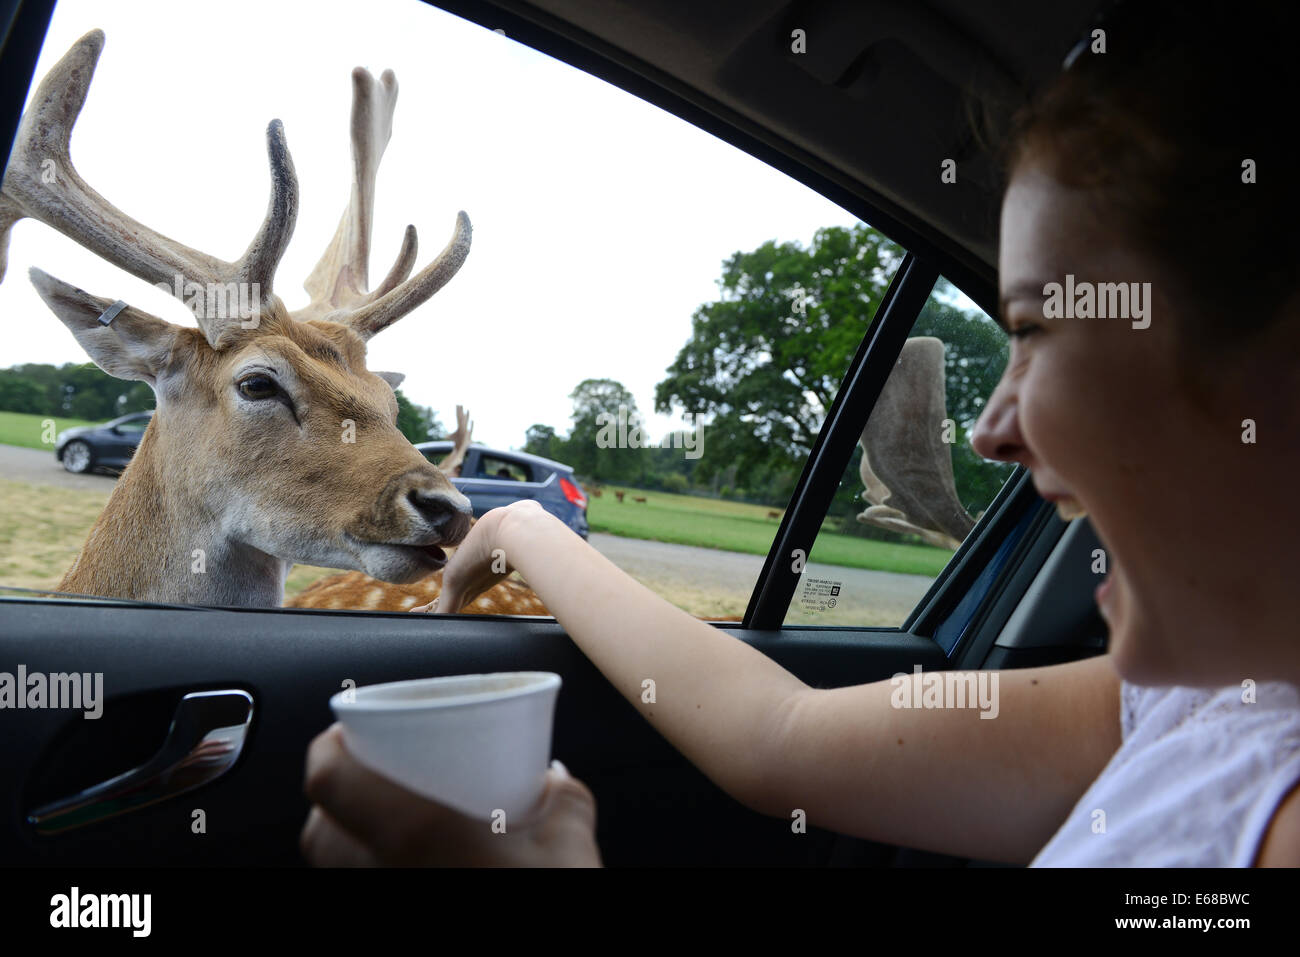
460	440
42	183
905	461
337	285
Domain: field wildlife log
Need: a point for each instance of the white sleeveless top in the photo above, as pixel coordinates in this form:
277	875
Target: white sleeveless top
1195	782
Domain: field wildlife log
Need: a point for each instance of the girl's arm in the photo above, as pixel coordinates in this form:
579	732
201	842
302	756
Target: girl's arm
945	780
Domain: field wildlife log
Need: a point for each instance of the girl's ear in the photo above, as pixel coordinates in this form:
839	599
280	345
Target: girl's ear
134	345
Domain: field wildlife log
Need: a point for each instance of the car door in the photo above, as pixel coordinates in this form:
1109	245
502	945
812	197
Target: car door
262	677
494	479
125	437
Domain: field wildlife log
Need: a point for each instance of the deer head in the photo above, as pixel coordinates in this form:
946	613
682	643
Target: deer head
272	442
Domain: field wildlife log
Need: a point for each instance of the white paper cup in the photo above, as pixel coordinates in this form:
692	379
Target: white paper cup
476	743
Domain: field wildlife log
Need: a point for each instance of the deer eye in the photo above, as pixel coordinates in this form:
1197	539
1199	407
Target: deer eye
258	387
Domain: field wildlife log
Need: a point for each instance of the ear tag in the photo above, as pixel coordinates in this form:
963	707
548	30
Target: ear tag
111	313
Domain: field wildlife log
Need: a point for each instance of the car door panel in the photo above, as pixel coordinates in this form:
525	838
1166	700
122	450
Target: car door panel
654	807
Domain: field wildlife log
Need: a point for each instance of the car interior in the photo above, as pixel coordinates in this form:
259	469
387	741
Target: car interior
886	88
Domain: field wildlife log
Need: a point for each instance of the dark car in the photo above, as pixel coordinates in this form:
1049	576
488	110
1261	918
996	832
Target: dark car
110	445
490	478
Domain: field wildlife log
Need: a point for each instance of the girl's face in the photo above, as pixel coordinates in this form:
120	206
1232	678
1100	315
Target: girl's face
1199	525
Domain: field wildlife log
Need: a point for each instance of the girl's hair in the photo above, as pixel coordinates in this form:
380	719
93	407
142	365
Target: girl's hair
1162	126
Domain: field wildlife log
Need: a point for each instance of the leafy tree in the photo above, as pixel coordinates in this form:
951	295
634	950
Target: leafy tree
595	403
138	397
542	440
20	394
417	422
765	360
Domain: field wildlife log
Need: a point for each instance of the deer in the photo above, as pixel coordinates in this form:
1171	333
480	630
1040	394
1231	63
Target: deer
271	443
619	495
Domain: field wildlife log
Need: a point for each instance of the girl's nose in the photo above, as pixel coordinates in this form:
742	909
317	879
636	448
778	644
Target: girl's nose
997	433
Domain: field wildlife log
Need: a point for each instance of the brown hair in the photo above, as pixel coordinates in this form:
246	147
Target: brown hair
1161	125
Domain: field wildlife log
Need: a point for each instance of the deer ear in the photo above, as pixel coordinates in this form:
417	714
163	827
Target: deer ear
394	379
133	345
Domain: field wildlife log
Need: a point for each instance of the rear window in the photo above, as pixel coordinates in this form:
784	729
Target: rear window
509	470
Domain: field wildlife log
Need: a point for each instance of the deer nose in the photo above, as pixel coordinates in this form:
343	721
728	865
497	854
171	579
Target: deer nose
446	513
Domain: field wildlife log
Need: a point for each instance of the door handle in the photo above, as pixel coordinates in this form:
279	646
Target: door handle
204	741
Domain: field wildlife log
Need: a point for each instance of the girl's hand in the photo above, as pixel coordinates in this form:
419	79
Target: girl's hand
479	562
362	819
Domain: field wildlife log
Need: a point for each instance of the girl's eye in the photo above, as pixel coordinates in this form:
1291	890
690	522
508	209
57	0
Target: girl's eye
258	387
1027	329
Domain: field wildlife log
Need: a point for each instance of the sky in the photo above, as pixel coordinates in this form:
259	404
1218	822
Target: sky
600	221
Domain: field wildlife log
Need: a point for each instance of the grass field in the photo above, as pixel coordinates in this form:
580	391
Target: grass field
42	528
741	527
18	428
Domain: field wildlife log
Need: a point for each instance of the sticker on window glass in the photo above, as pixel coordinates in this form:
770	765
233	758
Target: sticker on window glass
819	594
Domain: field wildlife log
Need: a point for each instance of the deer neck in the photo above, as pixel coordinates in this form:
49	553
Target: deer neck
159	540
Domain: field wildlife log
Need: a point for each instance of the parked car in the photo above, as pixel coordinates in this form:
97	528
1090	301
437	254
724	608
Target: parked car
490	478
110	445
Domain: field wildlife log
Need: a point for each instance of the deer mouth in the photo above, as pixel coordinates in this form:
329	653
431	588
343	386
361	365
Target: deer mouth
398	561
431	556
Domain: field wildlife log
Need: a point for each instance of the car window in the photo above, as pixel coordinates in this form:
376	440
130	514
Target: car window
509	470
678	376
915	488
133	425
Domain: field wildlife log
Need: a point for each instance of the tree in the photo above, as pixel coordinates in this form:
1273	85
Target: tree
20	394
417	422
765	360
595	403
542	440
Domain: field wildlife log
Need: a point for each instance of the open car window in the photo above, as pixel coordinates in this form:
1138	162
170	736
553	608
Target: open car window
678	377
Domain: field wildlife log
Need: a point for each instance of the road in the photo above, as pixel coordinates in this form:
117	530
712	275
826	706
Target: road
702	580
706	577
41	468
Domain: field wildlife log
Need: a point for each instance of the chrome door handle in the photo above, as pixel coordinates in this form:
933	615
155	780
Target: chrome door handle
204	741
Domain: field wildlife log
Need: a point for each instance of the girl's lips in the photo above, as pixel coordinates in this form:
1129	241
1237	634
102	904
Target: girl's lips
1069	509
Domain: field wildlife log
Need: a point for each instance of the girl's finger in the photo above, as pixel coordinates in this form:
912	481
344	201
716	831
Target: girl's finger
324	843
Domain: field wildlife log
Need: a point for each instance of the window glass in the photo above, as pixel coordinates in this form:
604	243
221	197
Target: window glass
677	376
133	425
915	488
508	470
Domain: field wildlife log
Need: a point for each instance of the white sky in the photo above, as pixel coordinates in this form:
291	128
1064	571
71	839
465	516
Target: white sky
600	221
